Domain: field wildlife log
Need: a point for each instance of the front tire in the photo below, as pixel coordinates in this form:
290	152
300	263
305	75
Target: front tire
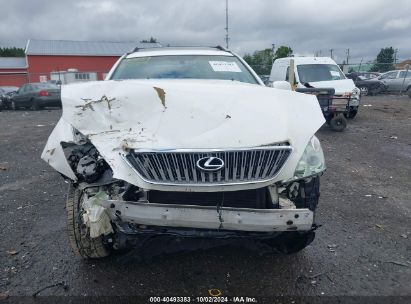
34	106
352	112
338	123
79	235
364	91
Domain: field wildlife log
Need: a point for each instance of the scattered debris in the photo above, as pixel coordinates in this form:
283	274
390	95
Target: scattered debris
3	296
404	236
40	126
379	226
368	195
65	287
367	105
398	263
162	95
3	167
51	151
12	252
394	137
332	247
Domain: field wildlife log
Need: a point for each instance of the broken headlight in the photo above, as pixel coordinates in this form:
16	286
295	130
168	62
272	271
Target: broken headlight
312	161
356	93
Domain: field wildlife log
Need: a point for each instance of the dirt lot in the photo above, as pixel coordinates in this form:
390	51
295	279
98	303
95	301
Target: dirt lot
363	247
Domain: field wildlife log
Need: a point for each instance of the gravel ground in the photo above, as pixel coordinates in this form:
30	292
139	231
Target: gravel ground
362	249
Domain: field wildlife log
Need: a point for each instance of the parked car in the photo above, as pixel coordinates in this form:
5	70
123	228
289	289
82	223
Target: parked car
186	142
368	75
318	72
36	96
396	81
5	94
370	86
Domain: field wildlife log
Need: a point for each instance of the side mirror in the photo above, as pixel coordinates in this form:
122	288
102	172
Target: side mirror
282	85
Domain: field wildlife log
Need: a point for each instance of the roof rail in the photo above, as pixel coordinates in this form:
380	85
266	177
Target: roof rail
221	48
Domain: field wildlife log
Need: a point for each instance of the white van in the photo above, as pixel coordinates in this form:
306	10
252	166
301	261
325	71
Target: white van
316	72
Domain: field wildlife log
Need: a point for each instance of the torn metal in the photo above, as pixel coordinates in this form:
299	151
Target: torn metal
117	116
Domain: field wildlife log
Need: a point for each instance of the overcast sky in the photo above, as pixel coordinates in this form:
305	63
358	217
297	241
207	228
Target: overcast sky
363	26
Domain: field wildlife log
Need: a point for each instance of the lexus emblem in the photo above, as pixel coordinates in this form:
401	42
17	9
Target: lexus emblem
210	163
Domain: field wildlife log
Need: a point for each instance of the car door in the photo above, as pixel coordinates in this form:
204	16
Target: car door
389	80
403	81
25	98
19	96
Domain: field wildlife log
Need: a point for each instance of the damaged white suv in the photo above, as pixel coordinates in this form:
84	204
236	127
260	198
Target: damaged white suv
186	142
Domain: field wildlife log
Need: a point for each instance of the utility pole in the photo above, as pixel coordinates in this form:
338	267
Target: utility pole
272	50
227	37
331	53
348	55
395	56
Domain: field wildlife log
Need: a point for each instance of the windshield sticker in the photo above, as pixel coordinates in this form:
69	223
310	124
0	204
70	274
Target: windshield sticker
225	66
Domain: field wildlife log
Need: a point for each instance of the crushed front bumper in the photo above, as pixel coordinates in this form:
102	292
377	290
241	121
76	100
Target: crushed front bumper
216	218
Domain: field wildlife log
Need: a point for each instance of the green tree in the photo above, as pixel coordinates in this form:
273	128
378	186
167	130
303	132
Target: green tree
283	51
384	61
260	61
151	40
12	52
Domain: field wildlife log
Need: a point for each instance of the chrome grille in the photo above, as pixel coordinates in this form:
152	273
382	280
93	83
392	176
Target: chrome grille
179	167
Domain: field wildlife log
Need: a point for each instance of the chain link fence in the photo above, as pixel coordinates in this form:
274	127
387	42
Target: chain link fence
60	77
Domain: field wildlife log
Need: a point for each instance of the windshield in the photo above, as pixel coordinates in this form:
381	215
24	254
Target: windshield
8	89
184	67
319	72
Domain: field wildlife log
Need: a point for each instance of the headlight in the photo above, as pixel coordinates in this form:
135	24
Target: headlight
312	161
356	93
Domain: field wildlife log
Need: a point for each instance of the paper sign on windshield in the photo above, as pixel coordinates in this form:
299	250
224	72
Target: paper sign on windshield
225	66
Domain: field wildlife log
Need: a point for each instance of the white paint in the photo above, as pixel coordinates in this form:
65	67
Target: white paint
198	114
279	72
282	85
191	216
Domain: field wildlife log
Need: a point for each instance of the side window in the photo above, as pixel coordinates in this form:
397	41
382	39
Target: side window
390	75
22	89
393	75
405	74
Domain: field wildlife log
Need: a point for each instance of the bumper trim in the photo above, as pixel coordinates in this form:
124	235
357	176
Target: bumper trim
201	217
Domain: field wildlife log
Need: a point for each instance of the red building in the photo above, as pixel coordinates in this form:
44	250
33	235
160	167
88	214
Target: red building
13	71
45	58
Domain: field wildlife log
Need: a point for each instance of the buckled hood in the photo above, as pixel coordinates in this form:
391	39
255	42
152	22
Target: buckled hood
180	114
